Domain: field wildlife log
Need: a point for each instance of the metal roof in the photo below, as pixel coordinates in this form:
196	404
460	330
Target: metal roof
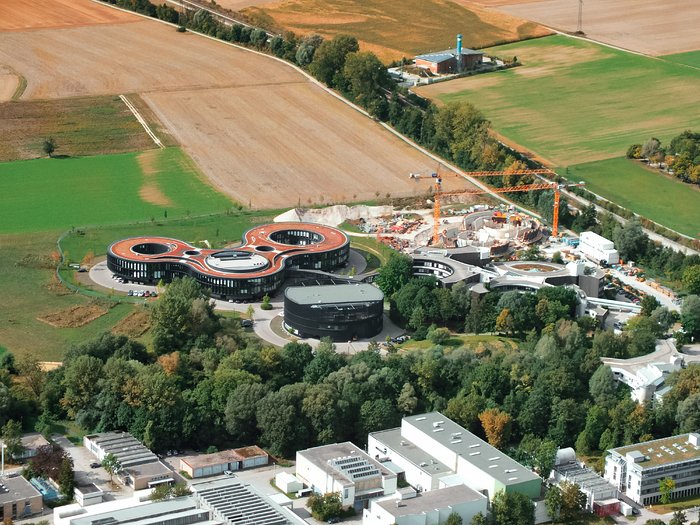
338	293
448	54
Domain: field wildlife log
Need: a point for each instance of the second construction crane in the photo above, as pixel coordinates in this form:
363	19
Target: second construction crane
439	193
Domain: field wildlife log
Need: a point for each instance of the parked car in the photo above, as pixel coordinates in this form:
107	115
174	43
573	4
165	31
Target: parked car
334	519
228	473
246	323
94	464
130	293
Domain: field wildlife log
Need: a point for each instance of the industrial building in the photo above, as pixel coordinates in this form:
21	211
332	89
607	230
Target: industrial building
598	249
635	470
140	468
233	503
451	60
204	465
342	312
18	499
255	268
346	469
435	452
427	508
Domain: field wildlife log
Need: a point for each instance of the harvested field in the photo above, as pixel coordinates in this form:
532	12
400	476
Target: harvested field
9	82
306	147
75	316
646	26
81	126
21	15
397	28
237	5
130	58
134	325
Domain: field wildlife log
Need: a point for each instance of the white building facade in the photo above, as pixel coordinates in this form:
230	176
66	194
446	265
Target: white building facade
597	248
435	452
429	508
636	470
346	469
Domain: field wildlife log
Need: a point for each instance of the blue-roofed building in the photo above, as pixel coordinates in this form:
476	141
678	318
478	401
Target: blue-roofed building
451	60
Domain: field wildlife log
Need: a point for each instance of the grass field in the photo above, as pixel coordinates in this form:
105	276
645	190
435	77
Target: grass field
691	58
574	101
80	126
638	188
480	342
29	290
56	194
395	29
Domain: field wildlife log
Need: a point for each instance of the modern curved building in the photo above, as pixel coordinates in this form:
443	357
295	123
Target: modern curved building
342	312
256	267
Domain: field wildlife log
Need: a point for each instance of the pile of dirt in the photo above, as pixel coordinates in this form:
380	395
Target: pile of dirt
75	316
334	215
135	324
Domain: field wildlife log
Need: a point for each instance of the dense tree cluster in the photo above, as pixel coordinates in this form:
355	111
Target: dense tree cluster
681	157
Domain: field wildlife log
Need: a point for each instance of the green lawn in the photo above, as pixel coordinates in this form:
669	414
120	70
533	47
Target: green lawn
574	101
57	194
457	340
691	58
26	277
656	197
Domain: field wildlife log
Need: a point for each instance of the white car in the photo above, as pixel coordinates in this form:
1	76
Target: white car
228	473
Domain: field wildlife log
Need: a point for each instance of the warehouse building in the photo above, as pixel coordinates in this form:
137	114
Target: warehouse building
635	470
342	312
18	499
435	452
141	468
428	508
346	469
235	459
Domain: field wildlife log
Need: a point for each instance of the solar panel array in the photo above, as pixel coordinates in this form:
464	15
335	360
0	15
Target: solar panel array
355	467
236	504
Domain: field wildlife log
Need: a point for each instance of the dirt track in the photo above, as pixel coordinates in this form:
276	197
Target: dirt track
646	26
20	15
8	83
237	5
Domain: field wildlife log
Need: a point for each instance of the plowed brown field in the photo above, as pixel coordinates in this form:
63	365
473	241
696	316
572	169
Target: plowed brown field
288	144
20	15
258	129
127	58
646	26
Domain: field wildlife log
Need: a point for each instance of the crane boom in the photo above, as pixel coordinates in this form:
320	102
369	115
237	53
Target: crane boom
509	189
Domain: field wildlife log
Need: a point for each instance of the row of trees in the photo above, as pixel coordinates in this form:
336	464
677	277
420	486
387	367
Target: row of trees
681	157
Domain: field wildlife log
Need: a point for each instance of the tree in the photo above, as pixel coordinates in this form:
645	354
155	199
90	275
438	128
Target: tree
504	322
182	314
454	519
329	60
325	506
497	426
111	464
366	76
265	305
512	508
666	488
66	478
603	387
650	148
258	38
407	400
679	518
48	146
81	381
630	240
307	48
565	502
397	272
649	303
688	413
690	315
11	435
438	336
479	519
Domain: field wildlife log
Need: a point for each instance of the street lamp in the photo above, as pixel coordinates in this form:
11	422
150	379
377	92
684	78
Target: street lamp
2	461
